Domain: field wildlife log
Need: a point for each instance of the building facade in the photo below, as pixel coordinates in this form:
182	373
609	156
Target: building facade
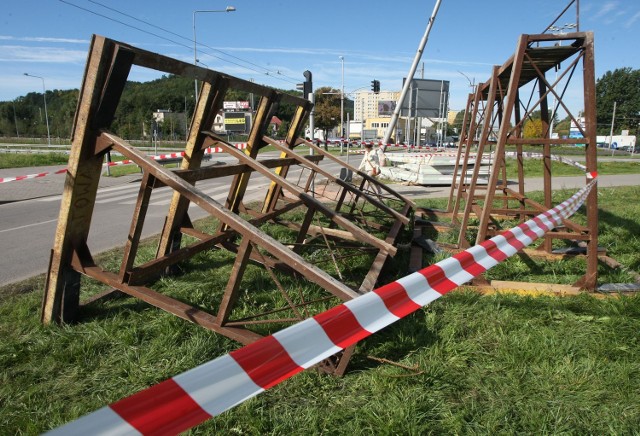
366	103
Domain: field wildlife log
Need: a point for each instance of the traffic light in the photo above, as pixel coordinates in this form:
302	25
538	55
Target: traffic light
375	86
307	86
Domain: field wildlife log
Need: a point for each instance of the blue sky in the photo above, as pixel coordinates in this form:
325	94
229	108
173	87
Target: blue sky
273	42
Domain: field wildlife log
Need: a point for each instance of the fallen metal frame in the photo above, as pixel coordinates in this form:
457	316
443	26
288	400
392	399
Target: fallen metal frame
492	107
106	73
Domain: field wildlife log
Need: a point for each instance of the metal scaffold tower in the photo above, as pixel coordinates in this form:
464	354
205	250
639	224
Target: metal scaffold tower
317	212
535	79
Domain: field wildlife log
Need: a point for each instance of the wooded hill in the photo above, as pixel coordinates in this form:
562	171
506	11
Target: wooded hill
25	116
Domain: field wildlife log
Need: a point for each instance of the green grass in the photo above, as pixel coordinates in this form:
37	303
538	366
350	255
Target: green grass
496	364
21	160
482	365
618	234
534	168
569	150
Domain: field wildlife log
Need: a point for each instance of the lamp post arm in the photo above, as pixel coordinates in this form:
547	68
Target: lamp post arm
195	43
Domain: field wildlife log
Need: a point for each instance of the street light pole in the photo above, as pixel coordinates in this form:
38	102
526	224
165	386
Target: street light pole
195	44
44	96
342	100
412	70
613	120
342	107
15	119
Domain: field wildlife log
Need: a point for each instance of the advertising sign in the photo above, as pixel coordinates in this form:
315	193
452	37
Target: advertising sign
234	122
235	105
386	107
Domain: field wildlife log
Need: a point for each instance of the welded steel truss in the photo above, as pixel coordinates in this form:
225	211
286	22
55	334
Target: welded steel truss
494	119
336	214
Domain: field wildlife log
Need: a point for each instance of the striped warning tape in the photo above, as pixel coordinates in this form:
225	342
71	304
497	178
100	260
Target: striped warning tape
212	150
31	176
190	398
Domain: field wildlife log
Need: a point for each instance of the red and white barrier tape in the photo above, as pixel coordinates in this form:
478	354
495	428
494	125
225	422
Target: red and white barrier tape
192	397
241	146
31	176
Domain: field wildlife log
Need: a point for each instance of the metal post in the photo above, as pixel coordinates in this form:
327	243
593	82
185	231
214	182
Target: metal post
348	136
412	70
15	119
613	120
342	108
195	55
44	96
312	113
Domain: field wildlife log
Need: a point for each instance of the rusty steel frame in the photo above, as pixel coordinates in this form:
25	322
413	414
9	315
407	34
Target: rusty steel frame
106	73
535	55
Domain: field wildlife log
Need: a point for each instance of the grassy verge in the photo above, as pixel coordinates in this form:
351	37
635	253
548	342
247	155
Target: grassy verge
534	168
20	160
619	227
501	363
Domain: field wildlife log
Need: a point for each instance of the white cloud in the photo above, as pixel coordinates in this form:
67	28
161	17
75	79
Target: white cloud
632	20
606	8
43	39
18	53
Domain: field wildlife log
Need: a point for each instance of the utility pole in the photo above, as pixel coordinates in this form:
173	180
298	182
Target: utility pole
412	71
15	119
613	120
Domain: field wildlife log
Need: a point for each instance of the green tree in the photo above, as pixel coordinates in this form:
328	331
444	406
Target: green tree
623	87
282	130
327	109
133	115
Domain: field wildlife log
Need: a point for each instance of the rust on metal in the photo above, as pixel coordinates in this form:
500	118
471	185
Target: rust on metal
494	119
340	218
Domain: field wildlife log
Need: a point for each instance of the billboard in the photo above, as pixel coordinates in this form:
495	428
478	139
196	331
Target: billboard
235	122
426	98
235	105
386	107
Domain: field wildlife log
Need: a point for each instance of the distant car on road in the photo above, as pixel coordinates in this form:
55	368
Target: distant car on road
630	148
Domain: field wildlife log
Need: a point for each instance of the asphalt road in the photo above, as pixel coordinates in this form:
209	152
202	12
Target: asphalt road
29	212
27	226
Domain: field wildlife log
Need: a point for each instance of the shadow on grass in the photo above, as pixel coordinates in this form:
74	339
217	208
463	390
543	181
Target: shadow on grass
395	343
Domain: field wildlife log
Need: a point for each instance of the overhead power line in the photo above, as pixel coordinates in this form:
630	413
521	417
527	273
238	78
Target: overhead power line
250	66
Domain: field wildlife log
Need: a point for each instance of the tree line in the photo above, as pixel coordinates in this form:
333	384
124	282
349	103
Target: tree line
25	116
621	86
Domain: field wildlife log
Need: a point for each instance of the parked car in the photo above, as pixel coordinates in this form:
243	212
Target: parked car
630	148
